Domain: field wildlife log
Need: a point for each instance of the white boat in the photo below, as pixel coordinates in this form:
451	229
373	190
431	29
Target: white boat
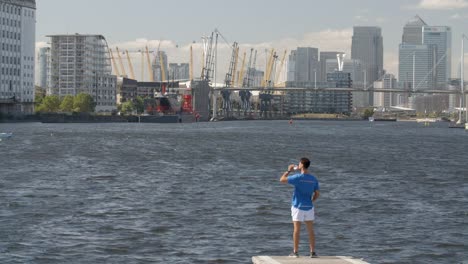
5	135
426	120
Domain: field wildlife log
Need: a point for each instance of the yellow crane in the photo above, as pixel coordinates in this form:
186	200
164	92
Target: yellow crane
163	70
124	73
114	64
235	67
130	65
150	71
142	65
278	72
240	78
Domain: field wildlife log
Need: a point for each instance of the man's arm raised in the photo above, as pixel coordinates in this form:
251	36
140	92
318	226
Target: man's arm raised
284	177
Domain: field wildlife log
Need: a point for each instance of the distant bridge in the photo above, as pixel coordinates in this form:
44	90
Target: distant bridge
299	89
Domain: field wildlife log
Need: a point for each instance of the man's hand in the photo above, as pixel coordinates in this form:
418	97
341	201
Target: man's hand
284	177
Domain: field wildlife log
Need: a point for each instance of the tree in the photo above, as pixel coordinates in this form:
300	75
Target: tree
140	104
83	103
128	107
67	104
50	104
368	113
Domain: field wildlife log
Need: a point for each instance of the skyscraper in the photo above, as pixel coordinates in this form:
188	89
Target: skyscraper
440	38
426	51
413	31
420	59
304	61
43	58
367	46
18	37
81	64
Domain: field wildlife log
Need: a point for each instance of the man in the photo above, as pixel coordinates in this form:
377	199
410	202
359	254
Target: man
306	191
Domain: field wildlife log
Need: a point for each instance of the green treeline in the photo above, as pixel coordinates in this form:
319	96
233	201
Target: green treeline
81	103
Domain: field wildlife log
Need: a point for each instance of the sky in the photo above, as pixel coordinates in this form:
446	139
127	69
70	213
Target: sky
259	24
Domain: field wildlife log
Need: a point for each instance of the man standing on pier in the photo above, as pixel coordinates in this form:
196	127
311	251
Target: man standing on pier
306	191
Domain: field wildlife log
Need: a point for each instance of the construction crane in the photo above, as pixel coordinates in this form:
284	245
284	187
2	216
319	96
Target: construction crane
280	68
209	65
124	73
150	71
232	62
114	64
240	77
130	65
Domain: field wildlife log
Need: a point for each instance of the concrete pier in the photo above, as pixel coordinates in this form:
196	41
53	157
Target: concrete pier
306	260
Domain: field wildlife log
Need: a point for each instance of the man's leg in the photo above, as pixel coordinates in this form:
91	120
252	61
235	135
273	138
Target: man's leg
310	230
296	235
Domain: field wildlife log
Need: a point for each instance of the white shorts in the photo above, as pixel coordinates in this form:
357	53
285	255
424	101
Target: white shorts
301	215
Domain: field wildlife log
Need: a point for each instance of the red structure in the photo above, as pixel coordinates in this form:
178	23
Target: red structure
187	103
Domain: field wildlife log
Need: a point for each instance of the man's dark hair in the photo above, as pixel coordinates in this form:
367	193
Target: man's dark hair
305	162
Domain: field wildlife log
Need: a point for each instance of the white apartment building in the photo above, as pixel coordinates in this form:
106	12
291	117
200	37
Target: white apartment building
81	64
17	52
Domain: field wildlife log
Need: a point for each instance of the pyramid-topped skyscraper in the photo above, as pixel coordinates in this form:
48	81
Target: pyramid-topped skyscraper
413	31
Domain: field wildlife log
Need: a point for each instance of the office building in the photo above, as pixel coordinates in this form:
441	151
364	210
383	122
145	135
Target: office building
413	31
303	65
353	67
384	100
421	60
324	56
367	46
440	38
81	64
331	102
18	40
356	70
179	71
43	59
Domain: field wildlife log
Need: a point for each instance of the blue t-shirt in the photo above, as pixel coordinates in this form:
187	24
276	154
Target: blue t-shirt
304	187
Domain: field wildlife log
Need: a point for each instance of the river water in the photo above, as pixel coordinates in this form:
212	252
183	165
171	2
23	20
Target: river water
209	192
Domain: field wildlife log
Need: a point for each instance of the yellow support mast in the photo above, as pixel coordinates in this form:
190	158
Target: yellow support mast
268	69
151	75
163	70
278	72
124	73
114	64
240	77
236	60
130	65
142	66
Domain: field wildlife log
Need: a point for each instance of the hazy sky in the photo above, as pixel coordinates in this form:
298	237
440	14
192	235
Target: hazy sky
253	23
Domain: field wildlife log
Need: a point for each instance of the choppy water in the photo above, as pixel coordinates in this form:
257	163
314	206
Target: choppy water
209	192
